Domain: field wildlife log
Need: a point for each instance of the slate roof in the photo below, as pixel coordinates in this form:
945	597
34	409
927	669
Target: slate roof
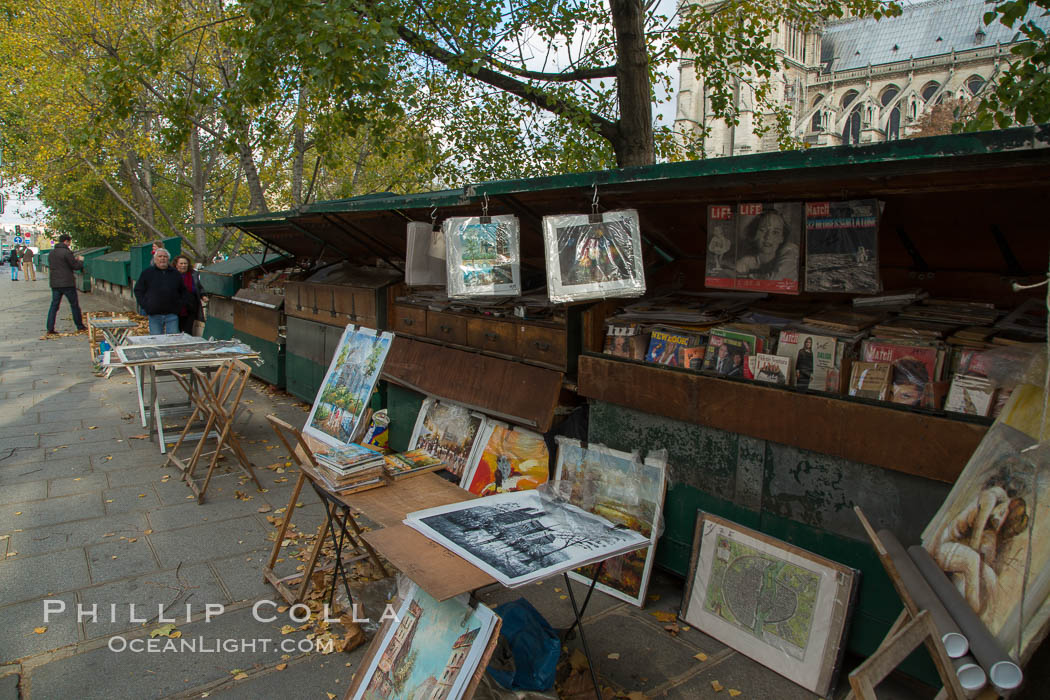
923	30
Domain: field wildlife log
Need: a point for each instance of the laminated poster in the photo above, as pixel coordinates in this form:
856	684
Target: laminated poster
593	260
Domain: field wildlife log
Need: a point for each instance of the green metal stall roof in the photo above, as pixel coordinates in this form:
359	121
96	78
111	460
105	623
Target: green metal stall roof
224	277
670	197
111	267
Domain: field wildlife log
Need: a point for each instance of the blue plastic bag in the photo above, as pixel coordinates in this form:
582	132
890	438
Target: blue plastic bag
534	644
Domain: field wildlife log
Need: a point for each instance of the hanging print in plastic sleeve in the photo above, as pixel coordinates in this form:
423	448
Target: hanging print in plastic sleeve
593	256
482	256
424	255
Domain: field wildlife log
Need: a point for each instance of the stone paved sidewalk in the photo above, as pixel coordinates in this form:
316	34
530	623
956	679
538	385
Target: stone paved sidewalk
88	515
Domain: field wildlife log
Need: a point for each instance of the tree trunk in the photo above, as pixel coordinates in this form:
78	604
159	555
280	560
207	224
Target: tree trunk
256	200
197	184
635	145
299	150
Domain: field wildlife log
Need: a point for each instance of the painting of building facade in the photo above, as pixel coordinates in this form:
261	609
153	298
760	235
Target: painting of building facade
447	431
430	652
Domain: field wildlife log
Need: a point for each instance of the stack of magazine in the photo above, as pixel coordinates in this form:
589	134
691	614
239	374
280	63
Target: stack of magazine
411	463
350	467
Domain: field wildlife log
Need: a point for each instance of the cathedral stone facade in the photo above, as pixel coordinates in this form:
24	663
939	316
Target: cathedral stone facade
856	81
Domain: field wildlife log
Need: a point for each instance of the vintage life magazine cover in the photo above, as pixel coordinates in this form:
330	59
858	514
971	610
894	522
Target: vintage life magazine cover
754	246
627	340
814	357
842	246
676	348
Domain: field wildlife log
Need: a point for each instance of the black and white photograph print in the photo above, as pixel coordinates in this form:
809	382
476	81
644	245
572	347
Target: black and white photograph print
593	259
521	537
842	246
754	246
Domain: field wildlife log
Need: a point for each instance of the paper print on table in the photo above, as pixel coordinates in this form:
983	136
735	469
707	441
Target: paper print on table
508	460
447	431
431	650
482	258
188	352
780	605
754	246
626	491
347	387
592	260
521	537
980	535
842	247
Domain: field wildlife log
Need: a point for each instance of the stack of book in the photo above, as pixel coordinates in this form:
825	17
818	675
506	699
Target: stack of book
350	467
411	463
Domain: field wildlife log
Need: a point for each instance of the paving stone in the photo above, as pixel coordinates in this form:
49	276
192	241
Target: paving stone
89	483
737	672
38	428
20	620
243	578
9	687
75	437
99	413
54	510
40	470
188	512
130	499
168	591
19	442
320	673
156	675
121	456
30	577
204	542
25	491
120	558
550	597
76	534
666	658
149	474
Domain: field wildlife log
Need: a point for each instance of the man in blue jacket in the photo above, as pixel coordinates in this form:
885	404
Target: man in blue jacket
162	294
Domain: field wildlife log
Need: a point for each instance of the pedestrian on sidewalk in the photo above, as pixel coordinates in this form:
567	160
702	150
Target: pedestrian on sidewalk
27	263
162	294
191	279
14	260
61	267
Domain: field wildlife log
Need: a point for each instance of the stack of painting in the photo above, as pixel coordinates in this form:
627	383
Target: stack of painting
430	650
629	492
509	459
342	400
449	432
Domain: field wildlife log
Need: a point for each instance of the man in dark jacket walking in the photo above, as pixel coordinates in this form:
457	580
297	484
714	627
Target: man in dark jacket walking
62	264
161	293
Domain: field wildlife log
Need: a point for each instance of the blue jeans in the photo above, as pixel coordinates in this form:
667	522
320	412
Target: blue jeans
69	293
163	324
14	273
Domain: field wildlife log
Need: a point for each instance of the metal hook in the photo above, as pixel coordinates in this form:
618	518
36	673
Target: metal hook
433	216
485	204
594	200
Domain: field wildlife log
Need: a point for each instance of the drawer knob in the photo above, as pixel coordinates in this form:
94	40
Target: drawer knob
408	321
542	346
491	336
446	329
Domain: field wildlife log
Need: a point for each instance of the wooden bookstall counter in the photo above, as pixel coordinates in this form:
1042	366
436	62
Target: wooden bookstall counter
929	446
342	294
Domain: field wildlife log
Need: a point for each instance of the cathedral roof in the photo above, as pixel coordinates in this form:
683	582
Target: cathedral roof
922	30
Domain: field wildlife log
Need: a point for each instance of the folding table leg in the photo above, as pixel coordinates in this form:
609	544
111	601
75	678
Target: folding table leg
587	599
141	397
583	638
312	564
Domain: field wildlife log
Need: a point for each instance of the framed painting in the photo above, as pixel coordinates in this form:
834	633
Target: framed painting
482	256
447	431
784	607
521	537
430	650
593	259
507	459
343	396
620	487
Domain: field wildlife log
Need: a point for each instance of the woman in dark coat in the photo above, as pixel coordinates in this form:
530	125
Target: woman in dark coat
194	311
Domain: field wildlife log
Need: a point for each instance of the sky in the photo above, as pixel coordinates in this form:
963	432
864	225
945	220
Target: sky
21	211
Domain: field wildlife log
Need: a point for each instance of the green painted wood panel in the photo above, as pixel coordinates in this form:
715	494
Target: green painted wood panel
218	329
272	369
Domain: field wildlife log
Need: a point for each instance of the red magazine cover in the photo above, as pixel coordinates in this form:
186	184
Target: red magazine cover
914	369
754	246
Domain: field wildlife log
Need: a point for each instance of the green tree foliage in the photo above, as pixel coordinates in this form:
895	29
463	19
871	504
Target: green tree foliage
526	87
1022	91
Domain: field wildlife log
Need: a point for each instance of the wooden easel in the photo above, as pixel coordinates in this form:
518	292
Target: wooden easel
304	458
913	627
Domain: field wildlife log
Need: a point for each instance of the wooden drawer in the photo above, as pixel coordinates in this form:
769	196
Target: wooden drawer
547	345
409	319
493	336
448	328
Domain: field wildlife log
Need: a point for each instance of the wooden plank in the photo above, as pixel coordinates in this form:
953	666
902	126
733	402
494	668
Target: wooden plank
436	570
929	446
513	391
389	505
